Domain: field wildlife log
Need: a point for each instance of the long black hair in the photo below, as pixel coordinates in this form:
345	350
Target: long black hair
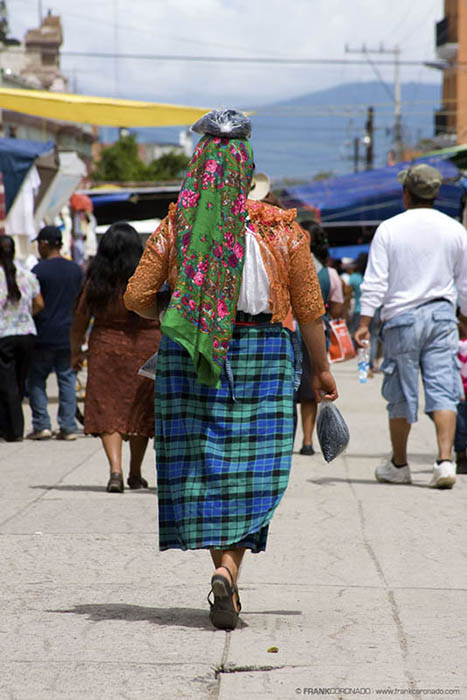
361	263
7	255
117	256
319	244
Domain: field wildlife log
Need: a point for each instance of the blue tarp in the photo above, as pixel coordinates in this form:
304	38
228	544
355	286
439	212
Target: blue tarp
372	196
348	251
16	157
112	198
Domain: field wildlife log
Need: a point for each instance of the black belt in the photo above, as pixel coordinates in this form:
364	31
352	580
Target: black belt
252	320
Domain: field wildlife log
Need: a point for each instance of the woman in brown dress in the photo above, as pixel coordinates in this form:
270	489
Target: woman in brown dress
119	403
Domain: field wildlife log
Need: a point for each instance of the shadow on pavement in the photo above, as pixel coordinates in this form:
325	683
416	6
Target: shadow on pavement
382	457
279	613
170	617
84	487
331	479
326	480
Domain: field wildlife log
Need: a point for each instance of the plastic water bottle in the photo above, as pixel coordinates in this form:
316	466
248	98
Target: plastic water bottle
363	362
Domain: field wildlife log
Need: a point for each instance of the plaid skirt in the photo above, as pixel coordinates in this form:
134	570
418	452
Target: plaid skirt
223	456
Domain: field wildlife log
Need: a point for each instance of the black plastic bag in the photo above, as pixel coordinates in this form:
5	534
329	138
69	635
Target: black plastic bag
332	430
226	123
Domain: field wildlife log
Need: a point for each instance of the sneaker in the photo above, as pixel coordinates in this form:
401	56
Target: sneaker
61	435
307	450
44	434
444	475
392	475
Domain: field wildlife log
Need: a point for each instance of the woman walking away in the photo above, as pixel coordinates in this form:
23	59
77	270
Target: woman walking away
333	297
20	299
119	404
224	380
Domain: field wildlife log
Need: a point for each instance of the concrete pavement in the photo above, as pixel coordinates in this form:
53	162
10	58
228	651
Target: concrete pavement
362	589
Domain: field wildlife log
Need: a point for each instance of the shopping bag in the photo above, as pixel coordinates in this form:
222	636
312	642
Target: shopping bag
149	368
341	347
332	430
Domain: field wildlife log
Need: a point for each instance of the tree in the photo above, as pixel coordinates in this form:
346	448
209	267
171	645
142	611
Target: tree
167	167
323	175
121	163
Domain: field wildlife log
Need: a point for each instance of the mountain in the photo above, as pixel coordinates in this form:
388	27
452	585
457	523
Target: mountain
300	137
315	132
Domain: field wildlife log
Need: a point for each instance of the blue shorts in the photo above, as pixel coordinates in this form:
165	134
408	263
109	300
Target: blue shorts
426	339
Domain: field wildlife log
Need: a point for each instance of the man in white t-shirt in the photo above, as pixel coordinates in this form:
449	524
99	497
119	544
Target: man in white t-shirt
417	271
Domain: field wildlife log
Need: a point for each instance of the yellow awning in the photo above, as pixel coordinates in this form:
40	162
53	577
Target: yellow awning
101	111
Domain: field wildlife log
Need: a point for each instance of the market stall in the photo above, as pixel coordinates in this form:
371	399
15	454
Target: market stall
367	198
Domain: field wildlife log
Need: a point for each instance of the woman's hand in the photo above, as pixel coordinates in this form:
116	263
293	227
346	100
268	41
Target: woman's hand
322	381
324	386
37	304
77	359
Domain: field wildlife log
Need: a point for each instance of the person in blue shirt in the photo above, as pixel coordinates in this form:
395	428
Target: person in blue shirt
60	281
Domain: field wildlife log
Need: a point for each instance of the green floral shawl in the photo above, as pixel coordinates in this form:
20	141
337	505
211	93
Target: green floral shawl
210	224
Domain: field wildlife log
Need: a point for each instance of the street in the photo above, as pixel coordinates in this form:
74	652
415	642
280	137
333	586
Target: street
362	587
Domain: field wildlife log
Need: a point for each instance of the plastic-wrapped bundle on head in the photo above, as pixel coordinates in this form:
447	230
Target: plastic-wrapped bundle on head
226	123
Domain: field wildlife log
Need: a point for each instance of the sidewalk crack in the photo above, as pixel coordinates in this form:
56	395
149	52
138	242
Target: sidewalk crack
247	669
401	635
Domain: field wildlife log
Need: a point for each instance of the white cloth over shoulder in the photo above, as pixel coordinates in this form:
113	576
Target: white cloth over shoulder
20	218
254	290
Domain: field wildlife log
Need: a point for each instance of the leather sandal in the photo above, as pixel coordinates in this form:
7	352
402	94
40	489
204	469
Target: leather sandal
223	614
115	483
137	482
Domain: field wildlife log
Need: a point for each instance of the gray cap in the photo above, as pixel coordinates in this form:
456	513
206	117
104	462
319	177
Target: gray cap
421	180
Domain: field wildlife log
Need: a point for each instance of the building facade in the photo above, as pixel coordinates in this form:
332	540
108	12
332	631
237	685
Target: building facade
35	64
451	48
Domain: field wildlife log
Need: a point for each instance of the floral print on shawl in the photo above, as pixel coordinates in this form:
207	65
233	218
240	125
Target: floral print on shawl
210	221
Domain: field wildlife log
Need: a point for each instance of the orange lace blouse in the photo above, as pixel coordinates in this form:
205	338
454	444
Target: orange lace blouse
284	249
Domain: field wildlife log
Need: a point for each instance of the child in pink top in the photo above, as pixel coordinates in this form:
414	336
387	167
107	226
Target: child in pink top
460	438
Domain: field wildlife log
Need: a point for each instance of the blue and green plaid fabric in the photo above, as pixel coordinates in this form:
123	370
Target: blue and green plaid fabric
224	455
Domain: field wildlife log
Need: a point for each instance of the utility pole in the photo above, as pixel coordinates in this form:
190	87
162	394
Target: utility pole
398	144
369	138
356	155
397	107
116	66
4	29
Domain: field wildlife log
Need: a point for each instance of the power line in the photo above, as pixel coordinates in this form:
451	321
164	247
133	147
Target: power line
397	89
403	20
147	29
377	73
242	59
425	12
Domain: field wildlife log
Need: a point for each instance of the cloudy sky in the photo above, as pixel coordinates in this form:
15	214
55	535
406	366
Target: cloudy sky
240	28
